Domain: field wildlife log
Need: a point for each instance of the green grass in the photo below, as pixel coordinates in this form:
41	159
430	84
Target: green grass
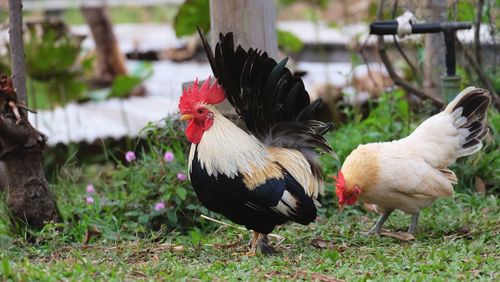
121	236
440	252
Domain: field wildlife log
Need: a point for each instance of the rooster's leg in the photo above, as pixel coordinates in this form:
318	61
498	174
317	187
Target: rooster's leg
413	226
264	245
377	228
253	245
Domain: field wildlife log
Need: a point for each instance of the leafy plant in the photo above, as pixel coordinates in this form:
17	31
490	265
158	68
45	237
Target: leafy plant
53	65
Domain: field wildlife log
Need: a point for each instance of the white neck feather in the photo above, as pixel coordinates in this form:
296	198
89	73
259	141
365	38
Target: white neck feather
226	149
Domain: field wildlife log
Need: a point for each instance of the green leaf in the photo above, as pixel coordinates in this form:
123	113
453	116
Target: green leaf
123	84
181	192
143	219
172	216
6	268
289	42
192	13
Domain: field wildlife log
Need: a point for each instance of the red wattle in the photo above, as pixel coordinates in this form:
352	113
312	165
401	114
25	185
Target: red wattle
194	131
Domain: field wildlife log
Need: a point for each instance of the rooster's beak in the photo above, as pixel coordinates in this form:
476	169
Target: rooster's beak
341	208
184	117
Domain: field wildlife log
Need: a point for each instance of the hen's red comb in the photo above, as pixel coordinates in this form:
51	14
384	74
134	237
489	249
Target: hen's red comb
205	95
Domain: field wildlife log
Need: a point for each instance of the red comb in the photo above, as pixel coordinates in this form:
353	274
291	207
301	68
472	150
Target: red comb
206	95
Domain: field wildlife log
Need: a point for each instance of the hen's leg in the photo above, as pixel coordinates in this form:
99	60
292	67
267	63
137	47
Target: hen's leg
377	228
413	226
264	246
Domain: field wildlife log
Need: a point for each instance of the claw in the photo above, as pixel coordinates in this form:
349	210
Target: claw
13	106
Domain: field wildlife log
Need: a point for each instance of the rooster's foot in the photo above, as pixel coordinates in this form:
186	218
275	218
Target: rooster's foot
264	246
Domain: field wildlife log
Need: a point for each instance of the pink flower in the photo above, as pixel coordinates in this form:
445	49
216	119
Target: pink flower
159	206
130	156
90	189
181	176
89	200
169	156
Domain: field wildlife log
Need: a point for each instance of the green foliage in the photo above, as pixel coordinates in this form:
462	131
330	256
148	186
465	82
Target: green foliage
192	13
124	84
53	67
288	42
127	192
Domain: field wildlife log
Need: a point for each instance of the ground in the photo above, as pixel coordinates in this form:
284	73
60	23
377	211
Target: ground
458	239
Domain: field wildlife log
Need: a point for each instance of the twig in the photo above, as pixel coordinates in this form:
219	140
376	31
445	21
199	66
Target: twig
362	51
477	29
392	73
279	237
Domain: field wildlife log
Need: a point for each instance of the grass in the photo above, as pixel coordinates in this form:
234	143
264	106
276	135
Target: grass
442	251
122	237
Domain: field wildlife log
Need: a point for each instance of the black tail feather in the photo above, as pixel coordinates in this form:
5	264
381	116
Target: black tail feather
273	103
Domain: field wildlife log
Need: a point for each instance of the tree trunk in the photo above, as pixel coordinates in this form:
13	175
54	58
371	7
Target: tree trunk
28	196
435	49
111	61
16	44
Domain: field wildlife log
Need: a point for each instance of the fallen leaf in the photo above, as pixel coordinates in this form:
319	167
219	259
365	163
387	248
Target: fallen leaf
320	220
403	236
92	232
480	187
476	272
315	276
155	259
463	229
322	244
460	276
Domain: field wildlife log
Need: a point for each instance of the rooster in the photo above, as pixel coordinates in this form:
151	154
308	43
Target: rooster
269	174
411	173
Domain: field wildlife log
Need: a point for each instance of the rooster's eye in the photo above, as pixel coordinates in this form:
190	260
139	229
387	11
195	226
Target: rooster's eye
200	111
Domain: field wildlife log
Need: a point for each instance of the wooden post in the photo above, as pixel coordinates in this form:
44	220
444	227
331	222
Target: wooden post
435	49
253	23
111	61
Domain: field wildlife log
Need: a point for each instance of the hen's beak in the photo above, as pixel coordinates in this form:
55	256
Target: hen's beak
341	208
184	117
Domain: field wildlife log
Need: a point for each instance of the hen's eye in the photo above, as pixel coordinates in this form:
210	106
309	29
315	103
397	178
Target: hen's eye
200	111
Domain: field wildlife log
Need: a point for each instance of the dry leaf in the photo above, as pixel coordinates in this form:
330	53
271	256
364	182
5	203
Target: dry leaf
403	236
315	276
463	229
320	220
91	233
480	187
155	259
179	248
322	244
485	210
